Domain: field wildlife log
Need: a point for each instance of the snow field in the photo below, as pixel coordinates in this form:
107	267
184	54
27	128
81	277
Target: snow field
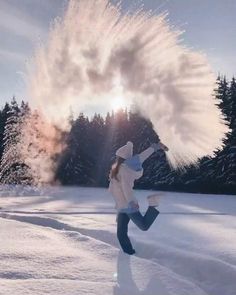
64	242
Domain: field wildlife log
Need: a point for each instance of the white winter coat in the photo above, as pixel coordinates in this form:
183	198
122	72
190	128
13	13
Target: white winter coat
122	189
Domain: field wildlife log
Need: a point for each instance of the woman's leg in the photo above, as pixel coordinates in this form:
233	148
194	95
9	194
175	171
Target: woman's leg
144	222
122	233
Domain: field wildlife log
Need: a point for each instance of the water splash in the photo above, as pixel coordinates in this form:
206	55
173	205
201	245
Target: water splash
96	54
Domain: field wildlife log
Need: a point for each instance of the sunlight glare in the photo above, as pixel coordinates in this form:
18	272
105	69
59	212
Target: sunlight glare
118	103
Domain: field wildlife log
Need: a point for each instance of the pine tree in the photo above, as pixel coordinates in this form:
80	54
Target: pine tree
109	148
230	158
232	113
76	165
37	140
97	150
3	119
117	133
222	96
217	174
13	169
218	178
120	126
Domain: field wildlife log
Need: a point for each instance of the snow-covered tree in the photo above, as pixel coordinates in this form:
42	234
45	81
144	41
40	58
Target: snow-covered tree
13	169
41	145
220	170
76	164
4	114
230	158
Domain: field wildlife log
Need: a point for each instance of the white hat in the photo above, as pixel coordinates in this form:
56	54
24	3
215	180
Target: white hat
125	151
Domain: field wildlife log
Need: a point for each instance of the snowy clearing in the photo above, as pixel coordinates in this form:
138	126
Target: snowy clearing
63	241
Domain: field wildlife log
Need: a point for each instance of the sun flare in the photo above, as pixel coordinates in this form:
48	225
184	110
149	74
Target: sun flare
118	103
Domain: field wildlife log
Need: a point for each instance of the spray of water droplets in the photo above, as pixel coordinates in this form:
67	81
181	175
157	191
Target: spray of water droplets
96	53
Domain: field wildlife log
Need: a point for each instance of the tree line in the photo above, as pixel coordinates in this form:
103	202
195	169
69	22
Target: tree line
91	144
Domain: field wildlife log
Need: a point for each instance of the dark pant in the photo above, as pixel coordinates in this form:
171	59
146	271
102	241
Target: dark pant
142	222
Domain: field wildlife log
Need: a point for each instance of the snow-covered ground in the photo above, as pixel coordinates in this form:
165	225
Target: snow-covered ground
63	241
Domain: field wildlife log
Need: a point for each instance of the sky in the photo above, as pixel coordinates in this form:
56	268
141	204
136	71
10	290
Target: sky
209	26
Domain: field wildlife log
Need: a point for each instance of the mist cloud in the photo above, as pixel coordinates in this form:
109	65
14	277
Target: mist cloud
95	54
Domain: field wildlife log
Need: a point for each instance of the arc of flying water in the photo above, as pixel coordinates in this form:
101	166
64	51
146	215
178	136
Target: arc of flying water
94	45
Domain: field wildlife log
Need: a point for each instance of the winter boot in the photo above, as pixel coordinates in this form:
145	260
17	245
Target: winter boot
153	200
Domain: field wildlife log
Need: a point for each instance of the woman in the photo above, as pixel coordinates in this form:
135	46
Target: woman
124	172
